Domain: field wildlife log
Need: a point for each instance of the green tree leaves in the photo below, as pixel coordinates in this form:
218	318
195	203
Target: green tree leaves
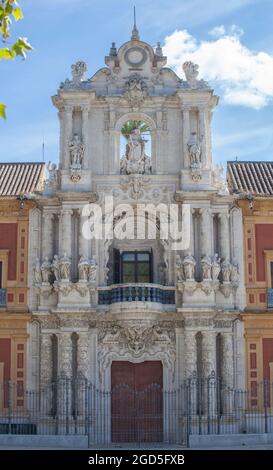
129	126
10	9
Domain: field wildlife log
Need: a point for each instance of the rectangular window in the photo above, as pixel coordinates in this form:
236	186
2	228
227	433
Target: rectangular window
136	267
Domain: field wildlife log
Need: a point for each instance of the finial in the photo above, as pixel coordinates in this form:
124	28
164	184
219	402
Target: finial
158	50
113	50
135	33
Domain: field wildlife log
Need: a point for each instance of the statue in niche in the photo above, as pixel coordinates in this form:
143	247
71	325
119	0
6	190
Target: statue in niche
37	272
206	267
56	267
93	271
83	268
194	149
189	264
215	268
65	267
135	160
76	149
226	270
46	270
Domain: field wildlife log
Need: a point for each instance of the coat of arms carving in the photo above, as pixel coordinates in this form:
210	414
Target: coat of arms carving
136	91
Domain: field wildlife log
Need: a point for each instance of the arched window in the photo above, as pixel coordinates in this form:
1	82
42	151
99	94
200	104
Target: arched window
135	148
219	356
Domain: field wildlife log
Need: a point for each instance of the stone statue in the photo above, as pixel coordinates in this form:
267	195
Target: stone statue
93	271
206	267
219	181
179	268
56	267
234	273
65	264
52	175
76	150
191	73
216	268
46	270
37	272
78	71
194	149
189	264
226	270
135	160
83	268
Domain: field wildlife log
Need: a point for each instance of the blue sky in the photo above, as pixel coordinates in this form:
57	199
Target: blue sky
231	40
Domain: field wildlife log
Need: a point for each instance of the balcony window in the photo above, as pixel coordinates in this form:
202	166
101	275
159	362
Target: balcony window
132	267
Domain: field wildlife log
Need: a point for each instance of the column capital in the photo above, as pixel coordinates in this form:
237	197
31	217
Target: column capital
68	108
85	108
186	108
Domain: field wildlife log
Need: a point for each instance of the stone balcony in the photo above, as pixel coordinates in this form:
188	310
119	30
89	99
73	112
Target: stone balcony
136	293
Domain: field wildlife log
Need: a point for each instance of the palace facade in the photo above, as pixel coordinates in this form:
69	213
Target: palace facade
134	310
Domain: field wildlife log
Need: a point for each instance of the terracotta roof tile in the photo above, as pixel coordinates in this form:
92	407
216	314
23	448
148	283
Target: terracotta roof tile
250	177
17	178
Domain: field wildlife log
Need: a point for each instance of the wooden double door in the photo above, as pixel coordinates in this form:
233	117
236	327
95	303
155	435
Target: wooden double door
137	401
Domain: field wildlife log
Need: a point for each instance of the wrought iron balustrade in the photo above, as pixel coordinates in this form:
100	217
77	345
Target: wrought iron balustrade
270	298
3	297
136	292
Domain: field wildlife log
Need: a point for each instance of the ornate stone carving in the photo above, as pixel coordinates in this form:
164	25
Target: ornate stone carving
93	268
45	290
234	273
82	289
56	267
78	71
46	270
207	286
64	289
136	184
135	160
226	288
37	274
206	268
198	322
76	150
136	91
64	266
137	338
53	176
191	73
179	269
215	268
226	270
219	181
83	267
189	264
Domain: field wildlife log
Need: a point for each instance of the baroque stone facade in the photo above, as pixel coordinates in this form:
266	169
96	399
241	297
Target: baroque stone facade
73	279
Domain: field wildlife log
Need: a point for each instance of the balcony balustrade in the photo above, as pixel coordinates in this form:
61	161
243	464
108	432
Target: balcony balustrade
136	293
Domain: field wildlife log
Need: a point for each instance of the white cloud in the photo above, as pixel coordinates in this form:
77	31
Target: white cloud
218	31
245	77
